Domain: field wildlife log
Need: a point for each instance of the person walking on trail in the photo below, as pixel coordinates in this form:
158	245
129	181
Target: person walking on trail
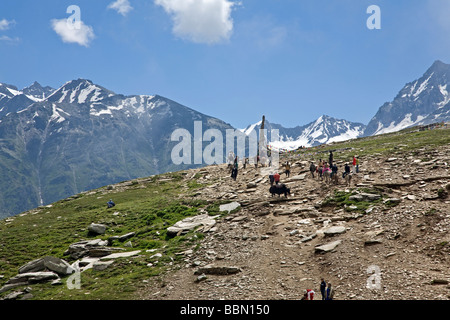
346	170
256	160
354	164
323	288
357	164
312	169
287	168
330	292
334	170
320	168
234	171
330	159
271	179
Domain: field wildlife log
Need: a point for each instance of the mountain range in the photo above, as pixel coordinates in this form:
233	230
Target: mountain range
324	130
58	142
420	102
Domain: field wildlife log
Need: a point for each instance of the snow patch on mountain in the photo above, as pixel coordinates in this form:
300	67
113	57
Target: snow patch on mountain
393	127
56	116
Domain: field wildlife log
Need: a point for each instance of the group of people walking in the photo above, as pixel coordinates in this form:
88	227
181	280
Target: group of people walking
323	167
326	291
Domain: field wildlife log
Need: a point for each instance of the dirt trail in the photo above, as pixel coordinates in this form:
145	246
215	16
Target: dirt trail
268	240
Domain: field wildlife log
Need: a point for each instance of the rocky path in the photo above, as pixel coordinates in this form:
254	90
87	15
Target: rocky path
397	249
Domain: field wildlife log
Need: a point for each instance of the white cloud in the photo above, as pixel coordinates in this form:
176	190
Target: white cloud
121	6
200	21
82	35
9	39
5	24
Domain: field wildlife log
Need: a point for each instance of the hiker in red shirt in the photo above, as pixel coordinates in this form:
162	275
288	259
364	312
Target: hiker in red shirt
309	295
276	178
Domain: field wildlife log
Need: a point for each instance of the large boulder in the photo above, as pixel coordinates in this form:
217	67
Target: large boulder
96	229
57	265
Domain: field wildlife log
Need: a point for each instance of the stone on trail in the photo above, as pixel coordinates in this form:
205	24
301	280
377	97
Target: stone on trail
251	185
328	247
299	177
217	270
392	201
372	242
229	206
191	223
334	230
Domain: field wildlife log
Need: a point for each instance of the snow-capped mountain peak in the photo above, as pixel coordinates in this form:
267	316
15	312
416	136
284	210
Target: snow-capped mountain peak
80	91
423	101
37	91
324	130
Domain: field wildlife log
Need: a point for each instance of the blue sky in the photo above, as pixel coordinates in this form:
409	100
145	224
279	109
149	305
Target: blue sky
292	60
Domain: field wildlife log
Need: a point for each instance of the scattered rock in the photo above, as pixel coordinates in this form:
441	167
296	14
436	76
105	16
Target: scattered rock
217	270
97	229
229	206
57	265
201	277
328	247
299	177
439	281
101	265
334	230
121	255
93	248
124	237
251	185
372	242
29	278
392	201
191	223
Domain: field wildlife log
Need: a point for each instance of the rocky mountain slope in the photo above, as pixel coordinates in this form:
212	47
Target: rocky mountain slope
383	237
